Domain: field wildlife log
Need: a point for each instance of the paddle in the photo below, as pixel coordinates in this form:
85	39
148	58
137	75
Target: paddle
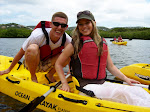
34	103
121	82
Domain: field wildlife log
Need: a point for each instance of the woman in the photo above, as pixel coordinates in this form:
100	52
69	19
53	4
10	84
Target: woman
87	43
120	39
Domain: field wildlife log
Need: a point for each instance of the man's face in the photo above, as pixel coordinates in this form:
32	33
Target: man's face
58	25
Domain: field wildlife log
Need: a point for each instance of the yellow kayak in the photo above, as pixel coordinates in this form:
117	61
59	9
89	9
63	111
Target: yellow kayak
120	43
139	71
18	85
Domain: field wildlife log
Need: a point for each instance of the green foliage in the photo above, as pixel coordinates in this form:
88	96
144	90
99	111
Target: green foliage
13	30
69	32
15	33
126	33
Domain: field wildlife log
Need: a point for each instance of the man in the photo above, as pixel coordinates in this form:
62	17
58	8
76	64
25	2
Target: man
31	48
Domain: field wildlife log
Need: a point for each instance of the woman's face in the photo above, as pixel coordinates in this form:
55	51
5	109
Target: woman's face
85	27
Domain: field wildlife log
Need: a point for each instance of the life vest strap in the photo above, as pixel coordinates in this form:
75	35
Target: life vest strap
88	41
45	32
87	92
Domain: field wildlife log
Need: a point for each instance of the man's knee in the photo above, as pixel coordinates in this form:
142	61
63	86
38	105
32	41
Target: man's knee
32	50
32	53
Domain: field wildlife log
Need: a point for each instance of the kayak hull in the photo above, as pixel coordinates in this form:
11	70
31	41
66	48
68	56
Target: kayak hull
120	43
18	85
139	71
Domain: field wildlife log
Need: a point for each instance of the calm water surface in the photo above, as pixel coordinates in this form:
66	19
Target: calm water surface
136	51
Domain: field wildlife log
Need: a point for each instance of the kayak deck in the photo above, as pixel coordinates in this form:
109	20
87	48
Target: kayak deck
139	71
120	43
18	85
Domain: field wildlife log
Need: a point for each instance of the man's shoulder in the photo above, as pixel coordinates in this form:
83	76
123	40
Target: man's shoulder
38	32
68	37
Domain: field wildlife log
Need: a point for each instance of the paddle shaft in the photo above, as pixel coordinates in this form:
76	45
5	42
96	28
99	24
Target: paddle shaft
34	103
53	88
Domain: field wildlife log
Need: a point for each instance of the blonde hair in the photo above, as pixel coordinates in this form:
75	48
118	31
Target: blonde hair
77	43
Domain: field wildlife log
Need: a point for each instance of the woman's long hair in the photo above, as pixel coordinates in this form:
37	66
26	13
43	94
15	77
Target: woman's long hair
77	43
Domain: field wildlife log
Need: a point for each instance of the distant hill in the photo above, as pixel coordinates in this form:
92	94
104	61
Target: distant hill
13	25
13	30
99	28
32	27
103	28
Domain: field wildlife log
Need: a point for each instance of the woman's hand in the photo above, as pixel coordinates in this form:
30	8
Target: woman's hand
65	87
130	81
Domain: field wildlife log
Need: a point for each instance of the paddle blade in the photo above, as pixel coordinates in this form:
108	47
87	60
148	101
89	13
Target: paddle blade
33	104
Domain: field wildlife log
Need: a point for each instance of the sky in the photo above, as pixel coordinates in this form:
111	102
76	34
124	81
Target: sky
107	13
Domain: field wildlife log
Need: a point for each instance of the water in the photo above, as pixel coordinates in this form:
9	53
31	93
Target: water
136	51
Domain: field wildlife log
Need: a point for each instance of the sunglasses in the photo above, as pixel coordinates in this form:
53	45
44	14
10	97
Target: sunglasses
84	12
57	24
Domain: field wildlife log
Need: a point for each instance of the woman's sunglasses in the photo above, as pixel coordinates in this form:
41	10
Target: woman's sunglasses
57	24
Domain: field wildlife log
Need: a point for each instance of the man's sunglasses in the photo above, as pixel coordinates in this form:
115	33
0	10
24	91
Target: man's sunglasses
57	24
